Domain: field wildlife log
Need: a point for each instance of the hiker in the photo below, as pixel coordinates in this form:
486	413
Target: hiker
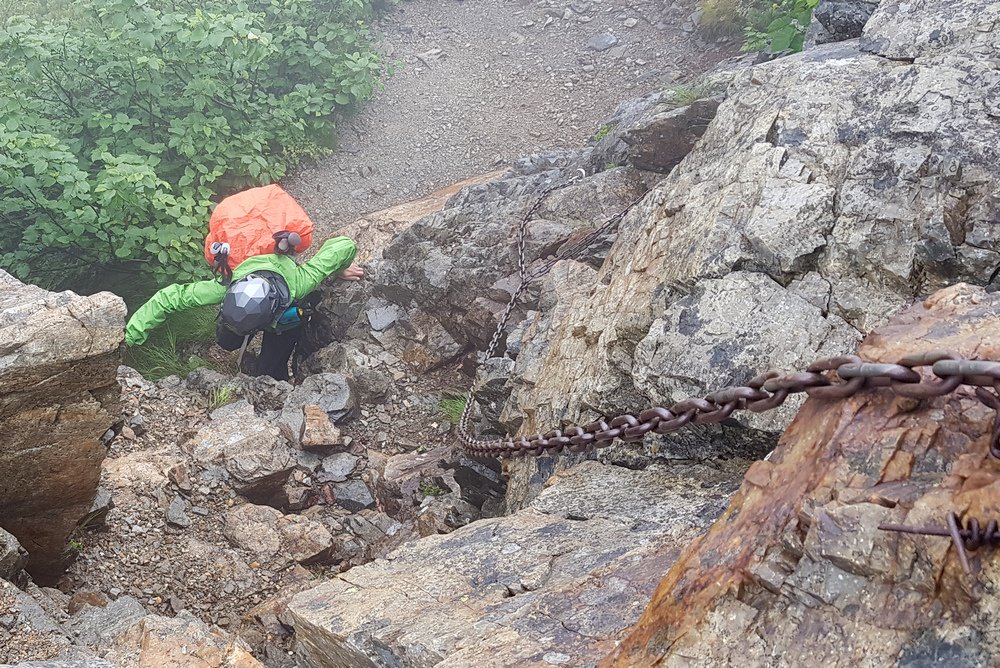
263	289
259	230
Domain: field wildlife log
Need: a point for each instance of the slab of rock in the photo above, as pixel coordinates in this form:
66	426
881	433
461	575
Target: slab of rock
183	641
27	632
58	396
800	540
353	495
272	536
660	142
97	627
318	431
337	467
558	583
176	512
331	392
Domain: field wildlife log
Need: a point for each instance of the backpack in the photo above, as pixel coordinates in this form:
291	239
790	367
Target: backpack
253	222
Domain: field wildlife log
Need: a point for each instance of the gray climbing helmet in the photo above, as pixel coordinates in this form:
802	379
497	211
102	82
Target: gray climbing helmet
251	304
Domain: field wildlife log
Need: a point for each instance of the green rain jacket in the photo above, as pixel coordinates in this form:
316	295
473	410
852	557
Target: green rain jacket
334	255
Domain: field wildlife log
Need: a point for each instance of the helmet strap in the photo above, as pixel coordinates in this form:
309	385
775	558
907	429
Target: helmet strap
243	349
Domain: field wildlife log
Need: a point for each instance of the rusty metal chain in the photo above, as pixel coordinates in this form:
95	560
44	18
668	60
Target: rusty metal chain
828	378
570	250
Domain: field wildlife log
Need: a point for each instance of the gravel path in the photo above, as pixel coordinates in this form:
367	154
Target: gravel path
480	82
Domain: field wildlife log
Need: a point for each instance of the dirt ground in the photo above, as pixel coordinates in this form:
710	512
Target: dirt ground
478	83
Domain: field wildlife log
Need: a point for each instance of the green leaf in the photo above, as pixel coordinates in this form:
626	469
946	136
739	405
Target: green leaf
782	39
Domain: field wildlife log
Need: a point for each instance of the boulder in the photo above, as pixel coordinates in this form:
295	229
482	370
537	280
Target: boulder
183	641
331	392
839	20
317	430
58	396
353	495
27	632
556	583
798	567
661	141
273	537
252	450
337	467
368	377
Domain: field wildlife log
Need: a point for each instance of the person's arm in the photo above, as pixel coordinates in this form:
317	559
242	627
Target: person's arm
172	298
335	254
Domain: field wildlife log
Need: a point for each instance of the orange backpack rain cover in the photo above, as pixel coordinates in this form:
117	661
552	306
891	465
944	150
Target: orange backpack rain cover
247	220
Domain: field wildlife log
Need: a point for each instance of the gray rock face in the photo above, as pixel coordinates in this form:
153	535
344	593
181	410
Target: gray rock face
835	186
26	630
98	627
447	277
556	583
718	335
58	395
904	30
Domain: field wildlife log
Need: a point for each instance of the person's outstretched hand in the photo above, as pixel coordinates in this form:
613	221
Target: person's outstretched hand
352	273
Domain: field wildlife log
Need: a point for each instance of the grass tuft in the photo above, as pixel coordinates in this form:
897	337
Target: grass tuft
452	406
220	397
681	95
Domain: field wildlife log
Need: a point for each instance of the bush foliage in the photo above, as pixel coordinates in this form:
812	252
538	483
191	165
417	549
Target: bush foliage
772	26
122	121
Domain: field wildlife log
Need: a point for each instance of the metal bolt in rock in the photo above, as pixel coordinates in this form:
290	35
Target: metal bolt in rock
966	538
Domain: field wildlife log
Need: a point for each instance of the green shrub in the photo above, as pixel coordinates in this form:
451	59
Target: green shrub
779	27
429	487
221	396
120	126
681	95
774	26
603	132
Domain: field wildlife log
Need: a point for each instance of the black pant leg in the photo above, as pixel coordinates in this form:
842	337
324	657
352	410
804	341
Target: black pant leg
275	351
